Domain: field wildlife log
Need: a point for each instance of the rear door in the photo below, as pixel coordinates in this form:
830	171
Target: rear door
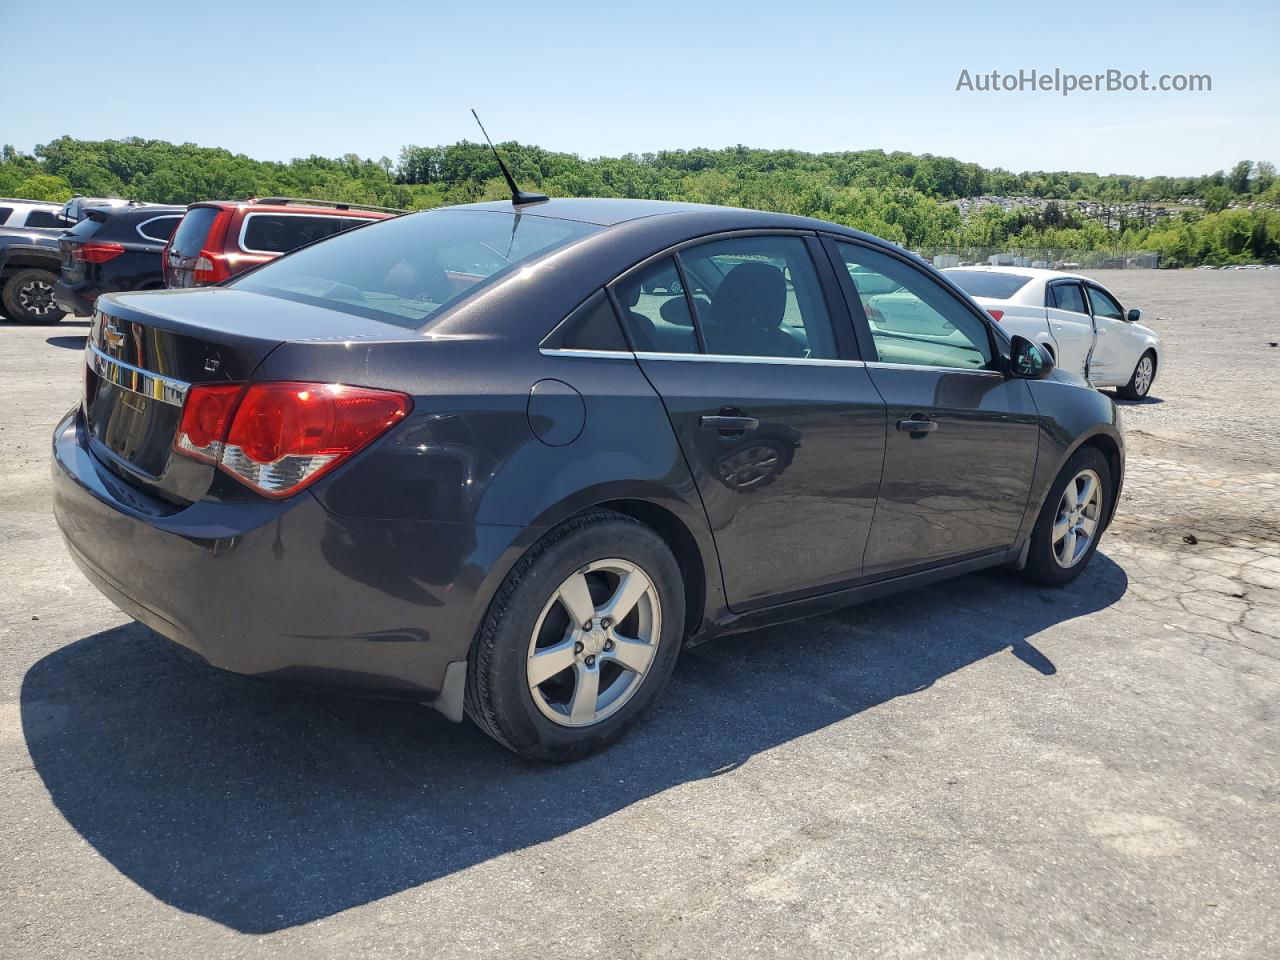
961	438
750	348
1070	323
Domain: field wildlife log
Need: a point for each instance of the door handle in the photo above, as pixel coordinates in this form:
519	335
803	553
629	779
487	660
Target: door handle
729	425
917	426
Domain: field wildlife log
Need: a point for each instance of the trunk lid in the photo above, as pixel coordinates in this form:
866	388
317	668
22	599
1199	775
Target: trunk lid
145	351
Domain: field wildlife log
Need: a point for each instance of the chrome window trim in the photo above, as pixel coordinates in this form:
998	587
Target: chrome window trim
163	216
887	365
597	354
135	379
735	358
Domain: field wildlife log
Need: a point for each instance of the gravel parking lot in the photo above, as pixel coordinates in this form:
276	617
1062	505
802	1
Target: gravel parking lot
996	770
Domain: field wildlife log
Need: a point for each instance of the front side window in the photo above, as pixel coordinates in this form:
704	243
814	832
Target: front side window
1066	296
913	320
759	297
655	310
404	269
1104	305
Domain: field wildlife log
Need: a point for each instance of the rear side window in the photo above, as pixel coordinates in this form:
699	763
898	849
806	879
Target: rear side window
282	232
981	283
593	326
192	231
759	297
43	218
655	310
1066	296
4	215
159	229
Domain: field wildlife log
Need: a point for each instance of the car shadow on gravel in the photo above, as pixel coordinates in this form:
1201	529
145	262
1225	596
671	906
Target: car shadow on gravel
262	807
71	343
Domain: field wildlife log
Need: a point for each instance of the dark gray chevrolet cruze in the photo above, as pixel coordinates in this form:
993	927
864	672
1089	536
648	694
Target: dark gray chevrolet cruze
509	460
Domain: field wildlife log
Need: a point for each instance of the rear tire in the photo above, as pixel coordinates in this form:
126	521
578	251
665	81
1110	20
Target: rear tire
28	297
1144	374
529	630
1077	505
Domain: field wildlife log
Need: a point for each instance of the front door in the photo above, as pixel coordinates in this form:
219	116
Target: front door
1107	365
961	437
781	427
1070	324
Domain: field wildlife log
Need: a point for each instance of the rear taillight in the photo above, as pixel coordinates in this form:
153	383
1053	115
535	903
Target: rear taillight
996	315
277	438
210	268
99	252
205	417
211	264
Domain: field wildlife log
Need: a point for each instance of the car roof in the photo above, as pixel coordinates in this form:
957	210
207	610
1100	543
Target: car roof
1035	273
612	211
44	204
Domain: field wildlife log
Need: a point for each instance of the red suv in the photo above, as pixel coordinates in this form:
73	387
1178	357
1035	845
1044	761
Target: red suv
219	238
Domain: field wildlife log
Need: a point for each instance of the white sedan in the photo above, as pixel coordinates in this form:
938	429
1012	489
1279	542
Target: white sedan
1077	318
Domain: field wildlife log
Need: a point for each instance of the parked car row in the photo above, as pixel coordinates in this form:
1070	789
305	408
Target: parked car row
511	459
58	259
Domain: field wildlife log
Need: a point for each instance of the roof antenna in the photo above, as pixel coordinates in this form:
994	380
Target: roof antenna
518	196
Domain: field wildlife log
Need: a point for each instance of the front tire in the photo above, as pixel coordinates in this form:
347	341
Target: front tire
1070	524
578	641
1144	374
28	297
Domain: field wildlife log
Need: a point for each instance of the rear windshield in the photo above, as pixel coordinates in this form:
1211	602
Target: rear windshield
85	228
403	270
191	233
981	283
282	232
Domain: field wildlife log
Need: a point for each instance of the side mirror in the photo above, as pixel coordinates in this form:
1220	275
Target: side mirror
1134	315
1028	361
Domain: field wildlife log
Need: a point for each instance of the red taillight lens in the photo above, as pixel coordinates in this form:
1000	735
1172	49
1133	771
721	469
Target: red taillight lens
996	315
99	252
282	436
211	268
205	418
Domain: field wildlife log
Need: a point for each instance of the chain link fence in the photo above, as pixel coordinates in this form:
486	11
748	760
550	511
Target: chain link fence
1044	258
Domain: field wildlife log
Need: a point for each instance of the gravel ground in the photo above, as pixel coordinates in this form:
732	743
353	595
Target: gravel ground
994	771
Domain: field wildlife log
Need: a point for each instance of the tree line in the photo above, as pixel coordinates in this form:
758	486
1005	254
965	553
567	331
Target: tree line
1224	217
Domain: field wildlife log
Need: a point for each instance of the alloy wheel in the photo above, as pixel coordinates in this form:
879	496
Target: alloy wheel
1076	521
1143	376
36	297
594	643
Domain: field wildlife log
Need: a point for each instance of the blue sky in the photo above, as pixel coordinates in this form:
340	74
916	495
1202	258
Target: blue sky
282	80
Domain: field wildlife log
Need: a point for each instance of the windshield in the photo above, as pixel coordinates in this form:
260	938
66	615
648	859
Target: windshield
981	283
403	270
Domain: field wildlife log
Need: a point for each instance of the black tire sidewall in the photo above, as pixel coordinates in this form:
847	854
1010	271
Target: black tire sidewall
14	310
522	725
1041	566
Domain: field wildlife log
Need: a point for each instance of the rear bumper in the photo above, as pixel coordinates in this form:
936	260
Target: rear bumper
285	589
72	301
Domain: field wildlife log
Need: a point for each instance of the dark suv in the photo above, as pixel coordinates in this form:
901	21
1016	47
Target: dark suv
113	249
220	238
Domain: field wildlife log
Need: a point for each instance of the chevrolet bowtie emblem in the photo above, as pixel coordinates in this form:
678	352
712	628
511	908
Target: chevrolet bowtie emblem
111	335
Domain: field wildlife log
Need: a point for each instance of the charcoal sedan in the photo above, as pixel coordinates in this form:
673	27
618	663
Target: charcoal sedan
509	460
